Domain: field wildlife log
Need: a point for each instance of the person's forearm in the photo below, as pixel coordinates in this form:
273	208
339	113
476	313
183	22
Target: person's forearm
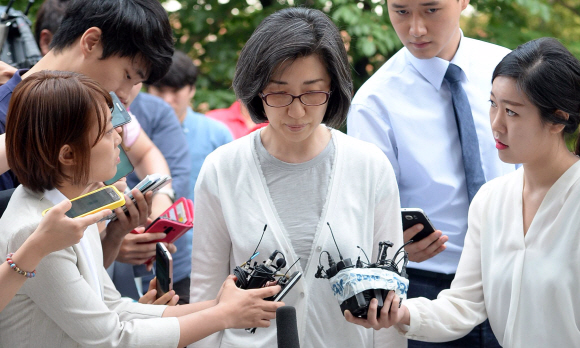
160	204
178	311
26	258
111	243
196	326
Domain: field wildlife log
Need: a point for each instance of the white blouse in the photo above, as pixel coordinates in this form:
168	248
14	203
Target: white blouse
526	285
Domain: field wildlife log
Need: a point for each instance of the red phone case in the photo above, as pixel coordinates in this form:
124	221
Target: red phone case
172	229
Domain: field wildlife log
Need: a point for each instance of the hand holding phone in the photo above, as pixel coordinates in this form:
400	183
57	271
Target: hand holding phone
427	242
414	216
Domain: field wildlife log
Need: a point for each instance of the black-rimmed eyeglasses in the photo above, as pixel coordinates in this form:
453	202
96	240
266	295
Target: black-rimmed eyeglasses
280	100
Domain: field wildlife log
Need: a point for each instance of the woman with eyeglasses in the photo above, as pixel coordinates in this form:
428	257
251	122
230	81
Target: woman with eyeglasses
299	176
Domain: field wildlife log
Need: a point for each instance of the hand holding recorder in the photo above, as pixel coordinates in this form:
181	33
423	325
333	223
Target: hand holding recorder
245	308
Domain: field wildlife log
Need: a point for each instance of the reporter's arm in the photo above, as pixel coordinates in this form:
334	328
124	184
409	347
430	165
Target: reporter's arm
125	223
11	281
56	231
456	310
235	308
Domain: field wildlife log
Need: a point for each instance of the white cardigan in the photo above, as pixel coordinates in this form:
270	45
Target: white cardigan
61	306
232	206
527	286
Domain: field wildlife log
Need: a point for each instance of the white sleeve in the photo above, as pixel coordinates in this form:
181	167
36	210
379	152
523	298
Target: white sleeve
61	292
210	258
366	124
388	227
458	310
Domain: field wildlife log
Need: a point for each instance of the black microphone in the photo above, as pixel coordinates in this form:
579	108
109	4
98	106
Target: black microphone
287	327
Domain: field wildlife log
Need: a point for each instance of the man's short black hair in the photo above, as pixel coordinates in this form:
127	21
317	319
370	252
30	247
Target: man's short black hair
137	29
181	73
49	16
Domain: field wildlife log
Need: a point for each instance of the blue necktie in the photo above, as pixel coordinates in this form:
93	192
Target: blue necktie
467	135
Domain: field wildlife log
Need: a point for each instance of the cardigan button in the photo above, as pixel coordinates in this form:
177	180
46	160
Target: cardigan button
318	248
302	294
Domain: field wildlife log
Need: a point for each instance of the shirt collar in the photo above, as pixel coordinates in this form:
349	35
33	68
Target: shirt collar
434	69
55	196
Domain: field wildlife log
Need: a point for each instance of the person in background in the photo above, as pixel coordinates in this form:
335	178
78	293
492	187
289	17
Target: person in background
298	176
71	302
441	157
236	118
203	135
519	265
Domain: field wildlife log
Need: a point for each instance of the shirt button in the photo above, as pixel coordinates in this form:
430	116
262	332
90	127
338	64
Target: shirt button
318	248
302	294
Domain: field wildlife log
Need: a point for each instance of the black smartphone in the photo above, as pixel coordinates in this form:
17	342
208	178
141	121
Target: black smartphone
163	270
120	115
413	216
124	168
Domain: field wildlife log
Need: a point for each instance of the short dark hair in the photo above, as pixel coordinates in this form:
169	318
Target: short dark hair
284	36
48	110
181	73
49	16
549	75
138	29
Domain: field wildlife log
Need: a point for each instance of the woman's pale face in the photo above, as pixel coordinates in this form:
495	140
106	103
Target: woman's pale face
520	135
105	154
297	122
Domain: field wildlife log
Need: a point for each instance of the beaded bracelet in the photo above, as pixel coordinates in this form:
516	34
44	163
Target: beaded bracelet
18	270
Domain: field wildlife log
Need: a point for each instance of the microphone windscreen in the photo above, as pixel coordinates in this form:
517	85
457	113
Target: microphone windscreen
287	327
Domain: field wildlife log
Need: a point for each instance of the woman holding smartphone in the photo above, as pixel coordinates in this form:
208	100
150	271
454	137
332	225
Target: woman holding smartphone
297	175
60	140
520	265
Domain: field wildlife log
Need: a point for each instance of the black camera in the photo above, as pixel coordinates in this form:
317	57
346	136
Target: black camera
354	286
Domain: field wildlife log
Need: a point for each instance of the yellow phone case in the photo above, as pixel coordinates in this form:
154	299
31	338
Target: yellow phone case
111	206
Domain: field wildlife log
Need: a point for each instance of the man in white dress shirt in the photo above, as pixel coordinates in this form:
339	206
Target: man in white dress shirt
406	109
